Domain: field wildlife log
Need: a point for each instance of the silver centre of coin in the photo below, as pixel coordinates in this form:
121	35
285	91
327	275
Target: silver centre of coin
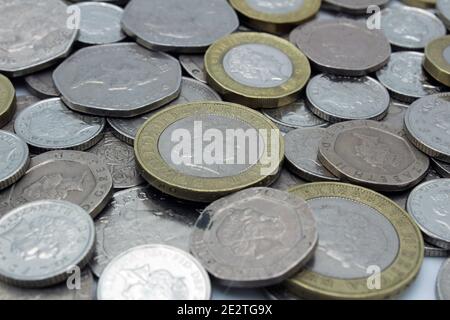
446	54
275	6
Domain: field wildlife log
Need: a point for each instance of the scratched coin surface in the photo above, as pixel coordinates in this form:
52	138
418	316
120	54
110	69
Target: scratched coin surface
41	84
22	102
154	272
338	98
179	25
50	125
194	65
34	35
42	241
191	91
429	205
355	6
372	154
254	238
396	115
14	156
441	167
74	176
7	100
443	282
121	79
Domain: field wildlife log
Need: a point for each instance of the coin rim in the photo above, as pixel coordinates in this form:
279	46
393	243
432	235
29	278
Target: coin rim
20	170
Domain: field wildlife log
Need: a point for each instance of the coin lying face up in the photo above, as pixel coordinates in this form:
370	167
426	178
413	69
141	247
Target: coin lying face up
437	59
254	238
360	232
443	282
154	272
7	100
256	69
443	11
14	156
118	80
202	151
42	241
353	6
396	115
22	102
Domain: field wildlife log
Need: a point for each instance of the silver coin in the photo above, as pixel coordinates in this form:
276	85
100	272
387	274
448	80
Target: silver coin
405	78
74	176
342	46
427	123
154	272
294	116
443	282
191	91
85	291
280	292
34	34
441	167
194	65
372	154
435	252
179	25
337	98
396	115
119	158
285	181
301	149
41	242
254	238
141	216
429	205
22	102
354	6
15	158
100	23
116	2
41	84
50	125
410	28
118	80
443	11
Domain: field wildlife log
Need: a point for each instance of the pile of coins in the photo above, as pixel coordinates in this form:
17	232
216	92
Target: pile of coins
131	171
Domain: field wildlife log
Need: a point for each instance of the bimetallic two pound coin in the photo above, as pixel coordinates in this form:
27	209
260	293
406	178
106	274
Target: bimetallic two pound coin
420	3
7	100
437	59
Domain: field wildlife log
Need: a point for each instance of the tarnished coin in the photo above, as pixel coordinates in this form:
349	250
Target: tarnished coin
254	238
443	11
256	69
405	78
441	167
354	6
429	205
154	272
118	80
420	3
301	149
22	102
435	252
280	292
100	23
437	59
343	46
41	242
35	33
50	125
119	158
141	216
41	84
410	28
287	180
396	115
443	282
191	91
74	176
338	98
277	16
194	65
294	116
14	156
7	100
427	123
179	25
361	232
202	151
372	154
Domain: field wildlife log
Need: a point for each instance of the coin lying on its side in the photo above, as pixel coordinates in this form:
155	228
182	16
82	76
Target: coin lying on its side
7	100
14	156
441	167
435	252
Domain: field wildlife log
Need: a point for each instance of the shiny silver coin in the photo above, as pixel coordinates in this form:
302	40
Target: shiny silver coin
372	154
405	78
301	149
22	102
194	65
294	116
342	46
50	125
141	216
118	80
41	84
35	33
154	272
74	176
435	252
254	238
15	158
429	205
353	6
427	123
100	23
116	2
337	98
279	292
191	91
179	25
443	282
443	11
396	115
41	242
287	180
64	291
441	167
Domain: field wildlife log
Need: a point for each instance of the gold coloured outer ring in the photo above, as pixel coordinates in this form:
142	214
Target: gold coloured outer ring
272	22
170	181
435	63
394	279
234	91
420	3
7	100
